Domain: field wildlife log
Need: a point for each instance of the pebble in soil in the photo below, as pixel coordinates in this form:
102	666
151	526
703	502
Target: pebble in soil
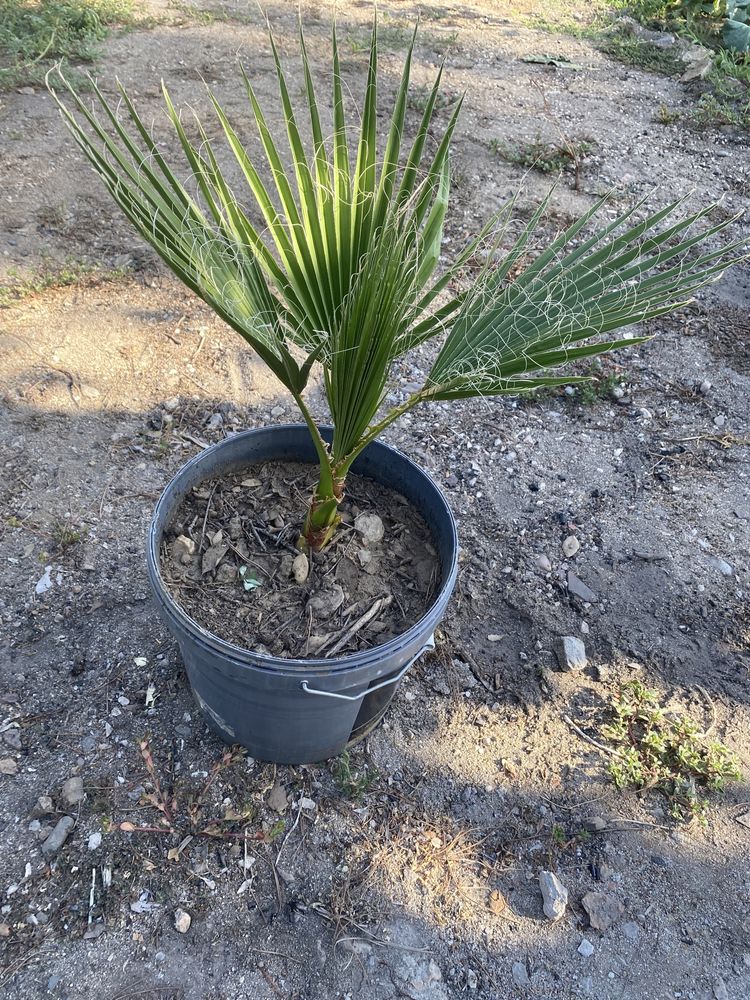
230	560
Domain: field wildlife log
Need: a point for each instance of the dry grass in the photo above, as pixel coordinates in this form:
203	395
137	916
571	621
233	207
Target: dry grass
438	870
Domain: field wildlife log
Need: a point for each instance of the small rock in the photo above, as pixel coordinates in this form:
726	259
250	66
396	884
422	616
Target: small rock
59	835
44	806
277	411
356	946
451	480
277	799
182	921
570	546
631	930
215	422
586	948
12	738
94	841
603	910
94	931
183	549
4	930
472	980
309	805
705	387
300	568
326	600
595	824
369	562
542	562
570	652
725	568
422	977
72	792
579	589
720	990
370	527
226	573
52	983
520	974
720	420
554	894
8	766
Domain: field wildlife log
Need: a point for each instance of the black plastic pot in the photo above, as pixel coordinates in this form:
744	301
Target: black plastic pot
299	711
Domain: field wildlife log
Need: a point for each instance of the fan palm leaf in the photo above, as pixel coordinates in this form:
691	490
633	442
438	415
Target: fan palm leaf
336	260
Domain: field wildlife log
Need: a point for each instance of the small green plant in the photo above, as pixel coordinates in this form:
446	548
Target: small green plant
343	271
36	33
666	752
666	116
65	536
547	157
353	784
623	46
712	112
599	385
558	835
419	98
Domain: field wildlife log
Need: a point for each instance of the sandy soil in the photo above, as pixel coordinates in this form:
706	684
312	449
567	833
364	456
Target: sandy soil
415	873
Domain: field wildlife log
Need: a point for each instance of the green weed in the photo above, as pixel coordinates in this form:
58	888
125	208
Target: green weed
626	48
352	784
65	536
712	112
599	387
665	115
36	33
659	750
419	97
547	157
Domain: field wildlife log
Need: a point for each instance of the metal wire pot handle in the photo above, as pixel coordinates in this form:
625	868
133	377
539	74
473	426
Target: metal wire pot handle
430	644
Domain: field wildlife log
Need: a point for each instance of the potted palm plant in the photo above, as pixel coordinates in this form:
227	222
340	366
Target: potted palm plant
336	265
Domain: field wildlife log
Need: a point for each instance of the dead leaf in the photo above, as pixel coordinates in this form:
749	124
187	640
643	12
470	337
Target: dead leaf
128	827
496	902
277	799
213	556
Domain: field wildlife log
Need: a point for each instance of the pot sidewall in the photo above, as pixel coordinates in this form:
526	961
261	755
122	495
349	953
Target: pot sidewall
258	700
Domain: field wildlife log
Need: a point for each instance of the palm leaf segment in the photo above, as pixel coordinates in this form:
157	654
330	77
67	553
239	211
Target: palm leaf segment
336	263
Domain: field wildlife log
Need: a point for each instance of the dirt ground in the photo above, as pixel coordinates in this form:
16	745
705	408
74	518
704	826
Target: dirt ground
412	869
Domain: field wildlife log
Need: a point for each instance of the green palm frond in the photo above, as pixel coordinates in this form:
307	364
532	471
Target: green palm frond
336	260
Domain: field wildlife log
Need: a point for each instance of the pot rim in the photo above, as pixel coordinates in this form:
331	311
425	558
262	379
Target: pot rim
278	664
